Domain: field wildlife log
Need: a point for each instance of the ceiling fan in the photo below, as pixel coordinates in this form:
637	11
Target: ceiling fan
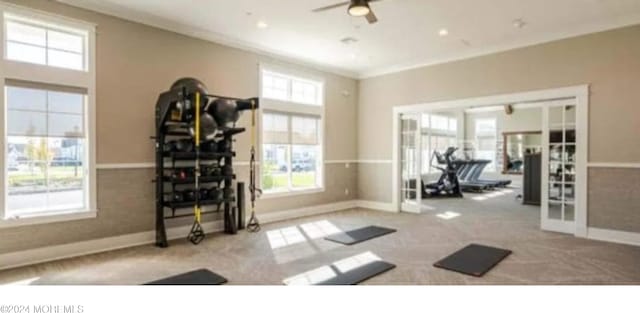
355	8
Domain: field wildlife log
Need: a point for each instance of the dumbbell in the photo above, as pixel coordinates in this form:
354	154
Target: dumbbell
215	194
209	146
184	145
227	170
204	193
169	146
188	195
177	197
212	170
224	146
228	193
182	173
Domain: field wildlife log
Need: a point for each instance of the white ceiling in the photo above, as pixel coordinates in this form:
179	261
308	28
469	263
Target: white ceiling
406	35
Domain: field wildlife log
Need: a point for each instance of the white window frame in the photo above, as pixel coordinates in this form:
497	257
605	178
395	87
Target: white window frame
435	132
269	105
39	74
494	159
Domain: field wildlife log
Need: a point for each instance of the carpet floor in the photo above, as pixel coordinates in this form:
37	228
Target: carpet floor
286	249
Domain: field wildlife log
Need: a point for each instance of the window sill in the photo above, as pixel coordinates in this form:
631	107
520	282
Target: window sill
46	219
291	193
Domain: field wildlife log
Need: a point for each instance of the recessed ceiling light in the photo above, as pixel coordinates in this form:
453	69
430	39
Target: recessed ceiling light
519	23
443	32
349	40
262	24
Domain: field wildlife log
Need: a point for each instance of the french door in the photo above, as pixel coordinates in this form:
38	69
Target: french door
410	160
559	174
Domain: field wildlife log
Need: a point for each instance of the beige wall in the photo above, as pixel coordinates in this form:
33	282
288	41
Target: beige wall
134	64
609	62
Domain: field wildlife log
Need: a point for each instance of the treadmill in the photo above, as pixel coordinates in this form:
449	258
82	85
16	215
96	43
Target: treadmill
474	175
465	169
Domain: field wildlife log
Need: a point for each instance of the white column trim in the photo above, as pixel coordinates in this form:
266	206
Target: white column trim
613	165
610	235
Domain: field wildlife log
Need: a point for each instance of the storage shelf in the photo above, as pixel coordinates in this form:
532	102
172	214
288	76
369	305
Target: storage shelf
188	204
203	179
203	155
190	215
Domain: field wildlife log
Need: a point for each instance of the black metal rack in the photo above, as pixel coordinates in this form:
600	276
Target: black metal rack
166	185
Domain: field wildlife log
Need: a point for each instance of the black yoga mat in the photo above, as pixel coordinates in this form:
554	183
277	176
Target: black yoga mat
475	260
359	235
197	277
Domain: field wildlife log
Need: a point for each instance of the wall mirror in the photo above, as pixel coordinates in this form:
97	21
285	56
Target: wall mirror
516	146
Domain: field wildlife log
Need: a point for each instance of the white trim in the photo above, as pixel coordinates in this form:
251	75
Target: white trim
306	211
542	97
291	193
195	32
44	15
375	161
378	206
64	251
501	99
47	74
112	166
617	236
613	165
340	161
45	219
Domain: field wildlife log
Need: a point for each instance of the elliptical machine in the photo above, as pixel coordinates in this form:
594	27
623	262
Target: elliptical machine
448	184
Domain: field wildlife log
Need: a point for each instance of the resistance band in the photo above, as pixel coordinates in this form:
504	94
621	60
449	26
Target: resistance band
197	233
253	225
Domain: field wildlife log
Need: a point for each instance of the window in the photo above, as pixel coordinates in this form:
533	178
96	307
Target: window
287	88
292	146
486	141
45	151
439	132
39	43
48	127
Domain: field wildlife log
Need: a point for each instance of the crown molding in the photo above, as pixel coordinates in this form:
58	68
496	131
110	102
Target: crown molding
283	56
540	38
210	36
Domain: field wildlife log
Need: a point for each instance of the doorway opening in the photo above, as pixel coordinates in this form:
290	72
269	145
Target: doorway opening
520	153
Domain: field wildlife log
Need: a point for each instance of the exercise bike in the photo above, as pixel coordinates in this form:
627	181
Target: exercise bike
448	184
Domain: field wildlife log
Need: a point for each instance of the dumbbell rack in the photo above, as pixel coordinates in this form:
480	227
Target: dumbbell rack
166	185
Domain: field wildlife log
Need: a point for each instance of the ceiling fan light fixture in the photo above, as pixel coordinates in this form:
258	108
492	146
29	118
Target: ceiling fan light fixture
359	8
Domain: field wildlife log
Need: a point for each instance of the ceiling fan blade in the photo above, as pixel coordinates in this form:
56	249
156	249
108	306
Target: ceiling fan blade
371	18
333	6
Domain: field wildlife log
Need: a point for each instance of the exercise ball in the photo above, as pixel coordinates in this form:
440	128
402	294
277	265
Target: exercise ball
224	111
208	126
190	86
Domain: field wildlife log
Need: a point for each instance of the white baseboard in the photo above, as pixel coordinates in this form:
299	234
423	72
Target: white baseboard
374	205
616	236
64	251
306	211
52	253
